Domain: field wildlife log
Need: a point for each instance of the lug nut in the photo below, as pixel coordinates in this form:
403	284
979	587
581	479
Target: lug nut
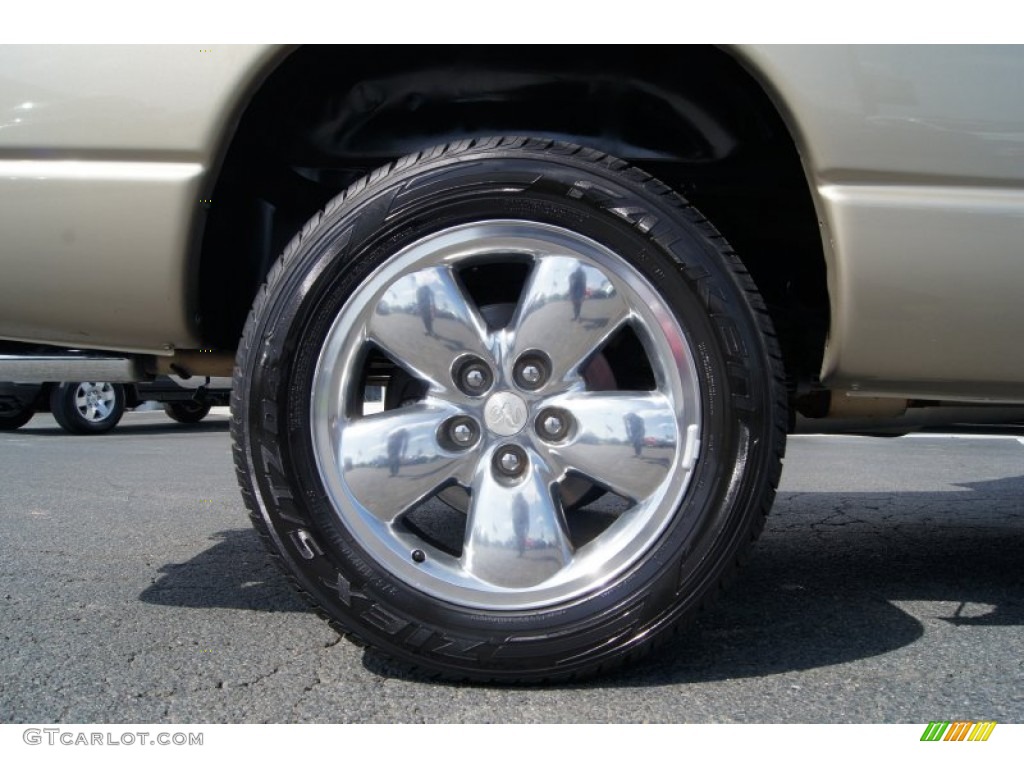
461	432
472	376
510	461
532	370
553	424
531	374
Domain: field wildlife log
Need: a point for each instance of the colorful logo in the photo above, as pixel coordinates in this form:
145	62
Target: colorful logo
958	730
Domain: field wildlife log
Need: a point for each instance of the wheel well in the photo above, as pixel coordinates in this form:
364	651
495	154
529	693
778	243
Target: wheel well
690	115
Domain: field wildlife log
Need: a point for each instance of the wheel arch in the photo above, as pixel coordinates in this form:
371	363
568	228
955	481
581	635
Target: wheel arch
314	119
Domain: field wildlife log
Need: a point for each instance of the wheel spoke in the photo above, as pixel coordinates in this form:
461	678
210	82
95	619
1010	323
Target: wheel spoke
424	321
392	461
515	536
568	310
626	442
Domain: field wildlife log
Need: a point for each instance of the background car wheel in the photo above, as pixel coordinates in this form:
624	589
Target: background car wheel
14	419
87	407
187	411
637	358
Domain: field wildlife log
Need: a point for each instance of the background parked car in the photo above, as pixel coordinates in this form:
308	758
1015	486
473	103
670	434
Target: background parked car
94	407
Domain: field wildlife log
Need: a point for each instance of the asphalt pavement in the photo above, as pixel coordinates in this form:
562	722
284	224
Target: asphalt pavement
887	587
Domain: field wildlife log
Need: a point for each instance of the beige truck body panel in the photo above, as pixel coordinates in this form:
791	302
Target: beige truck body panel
105	153
915	155
915	158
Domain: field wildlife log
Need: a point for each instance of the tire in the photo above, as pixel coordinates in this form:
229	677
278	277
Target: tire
87	407
187	411
637	355
13	420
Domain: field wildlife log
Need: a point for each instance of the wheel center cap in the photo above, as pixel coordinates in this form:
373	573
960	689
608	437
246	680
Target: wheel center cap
505	413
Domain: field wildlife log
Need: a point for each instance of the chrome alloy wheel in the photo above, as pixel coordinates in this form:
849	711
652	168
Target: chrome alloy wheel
507	416
95	400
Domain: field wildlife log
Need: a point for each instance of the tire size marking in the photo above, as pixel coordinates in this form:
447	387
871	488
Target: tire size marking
419	638
306	544
282	495
373	614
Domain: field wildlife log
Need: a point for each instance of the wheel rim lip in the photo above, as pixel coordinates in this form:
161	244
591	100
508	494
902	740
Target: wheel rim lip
622	546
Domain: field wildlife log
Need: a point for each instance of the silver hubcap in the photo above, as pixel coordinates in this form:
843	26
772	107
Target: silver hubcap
95	400
505	413
513	445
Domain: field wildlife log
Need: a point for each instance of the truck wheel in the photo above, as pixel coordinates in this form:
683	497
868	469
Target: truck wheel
87	407
187	411
638	358
14	419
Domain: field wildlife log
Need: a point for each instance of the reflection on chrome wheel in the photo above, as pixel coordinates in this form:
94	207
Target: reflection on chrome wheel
583	414
87	407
